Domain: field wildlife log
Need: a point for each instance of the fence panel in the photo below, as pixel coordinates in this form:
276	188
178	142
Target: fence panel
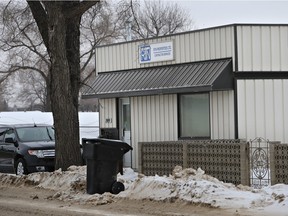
259	163
226	160
279	163
160	157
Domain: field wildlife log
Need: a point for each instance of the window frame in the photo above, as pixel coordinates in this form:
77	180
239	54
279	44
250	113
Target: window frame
180	137
3	130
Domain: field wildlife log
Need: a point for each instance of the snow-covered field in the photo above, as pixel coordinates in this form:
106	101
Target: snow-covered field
184	185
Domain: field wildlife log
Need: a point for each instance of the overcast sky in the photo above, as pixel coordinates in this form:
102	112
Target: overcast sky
214	13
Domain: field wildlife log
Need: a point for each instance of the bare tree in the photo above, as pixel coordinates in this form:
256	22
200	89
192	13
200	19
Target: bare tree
26	53
24	49
152	18
33	90
3	102
59	25
98	27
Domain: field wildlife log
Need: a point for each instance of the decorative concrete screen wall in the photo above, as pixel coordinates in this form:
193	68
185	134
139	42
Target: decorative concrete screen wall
160	157
227	160
279	163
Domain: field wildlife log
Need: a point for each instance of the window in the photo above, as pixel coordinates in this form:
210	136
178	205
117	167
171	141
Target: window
194	116
35	133
2	132
10	133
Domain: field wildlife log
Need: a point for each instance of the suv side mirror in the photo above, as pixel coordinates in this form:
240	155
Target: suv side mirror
11	140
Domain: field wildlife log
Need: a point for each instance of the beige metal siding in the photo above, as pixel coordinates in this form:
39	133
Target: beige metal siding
189	47
108	113
153	118
158	117
262	48
204	45
222	115
262	109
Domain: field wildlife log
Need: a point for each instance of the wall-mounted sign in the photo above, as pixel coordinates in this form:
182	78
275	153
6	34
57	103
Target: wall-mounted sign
156	52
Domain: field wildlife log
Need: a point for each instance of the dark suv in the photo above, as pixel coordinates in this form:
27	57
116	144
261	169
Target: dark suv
26	148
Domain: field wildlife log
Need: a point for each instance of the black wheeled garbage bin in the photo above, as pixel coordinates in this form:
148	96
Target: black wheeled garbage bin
102	159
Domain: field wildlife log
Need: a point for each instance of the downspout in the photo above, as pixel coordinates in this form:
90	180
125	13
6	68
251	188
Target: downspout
235	83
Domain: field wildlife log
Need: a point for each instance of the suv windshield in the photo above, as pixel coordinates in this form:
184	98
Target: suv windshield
30	134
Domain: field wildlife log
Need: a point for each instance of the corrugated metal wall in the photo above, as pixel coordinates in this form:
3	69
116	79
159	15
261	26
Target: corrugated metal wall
262	48
262	109
193	46
158	116
262	104
154	118
222	115
108	113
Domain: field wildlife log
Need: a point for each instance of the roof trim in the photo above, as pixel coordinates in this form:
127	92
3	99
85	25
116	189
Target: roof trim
169	79
261	74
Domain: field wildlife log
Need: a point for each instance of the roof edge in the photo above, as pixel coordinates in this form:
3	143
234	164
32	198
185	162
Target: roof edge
195	30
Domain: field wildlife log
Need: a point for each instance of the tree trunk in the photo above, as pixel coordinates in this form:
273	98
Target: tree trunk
47	99
62	40
64	83
47	103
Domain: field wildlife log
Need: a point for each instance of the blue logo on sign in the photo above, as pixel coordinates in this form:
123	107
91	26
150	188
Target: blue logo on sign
145	53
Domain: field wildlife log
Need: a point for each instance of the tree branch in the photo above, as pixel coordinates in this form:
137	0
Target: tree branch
40	17
78	8
16	68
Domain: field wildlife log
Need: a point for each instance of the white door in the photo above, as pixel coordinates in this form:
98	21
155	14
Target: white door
125	128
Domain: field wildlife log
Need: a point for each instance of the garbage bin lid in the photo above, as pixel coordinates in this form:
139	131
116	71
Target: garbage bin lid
110	142
115	143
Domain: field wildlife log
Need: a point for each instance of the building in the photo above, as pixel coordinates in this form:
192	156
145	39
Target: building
226	82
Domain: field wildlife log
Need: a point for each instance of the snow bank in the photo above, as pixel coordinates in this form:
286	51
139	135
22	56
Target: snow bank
184	185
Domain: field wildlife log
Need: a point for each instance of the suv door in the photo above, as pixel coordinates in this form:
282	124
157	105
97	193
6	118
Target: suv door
7	151
2	166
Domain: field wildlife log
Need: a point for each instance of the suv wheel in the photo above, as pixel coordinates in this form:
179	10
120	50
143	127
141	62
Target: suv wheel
20	167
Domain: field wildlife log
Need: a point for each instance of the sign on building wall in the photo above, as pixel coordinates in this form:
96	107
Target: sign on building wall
156	52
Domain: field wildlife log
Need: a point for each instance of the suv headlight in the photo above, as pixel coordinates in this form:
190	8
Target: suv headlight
37	153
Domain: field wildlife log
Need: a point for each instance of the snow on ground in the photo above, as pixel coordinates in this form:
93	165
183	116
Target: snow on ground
184	185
